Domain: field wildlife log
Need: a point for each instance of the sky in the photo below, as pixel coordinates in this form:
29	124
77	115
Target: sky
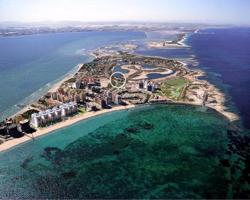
203	11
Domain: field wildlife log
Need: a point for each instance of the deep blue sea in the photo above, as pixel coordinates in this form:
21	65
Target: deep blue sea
30	64
225	55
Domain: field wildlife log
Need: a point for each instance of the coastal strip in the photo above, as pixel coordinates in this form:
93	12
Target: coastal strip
43	131
91	92
166	44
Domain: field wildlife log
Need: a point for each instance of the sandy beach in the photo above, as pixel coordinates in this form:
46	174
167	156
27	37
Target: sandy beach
181	43
43	131
55	87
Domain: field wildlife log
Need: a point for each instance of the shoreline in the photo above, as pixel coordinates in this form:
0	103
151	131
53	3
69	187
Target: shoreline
67	76
71	121
170	44
10	144
54	86
221	108
221	97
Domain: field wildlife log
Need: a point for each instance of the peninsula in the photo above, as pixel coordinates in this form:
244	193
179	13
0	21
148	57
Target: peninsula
92	91
177	43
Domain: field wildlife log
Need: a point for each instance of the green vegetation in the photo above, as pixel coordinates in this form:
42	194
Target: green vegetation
43	102
173	88
82	110
27	114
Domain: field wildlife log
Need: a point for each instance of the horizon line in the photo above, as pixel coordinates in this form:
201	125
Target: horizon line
122	22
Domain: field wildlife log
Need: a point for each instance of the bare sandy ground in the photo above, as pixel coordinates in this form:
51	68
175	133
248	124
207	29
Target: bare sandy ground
43	131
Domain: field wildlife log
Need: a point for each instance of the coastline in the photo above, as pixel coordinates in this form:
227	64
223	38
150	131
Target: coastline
214	89
179	43
221	96
8	145
43	131
54	85
67	76
221	108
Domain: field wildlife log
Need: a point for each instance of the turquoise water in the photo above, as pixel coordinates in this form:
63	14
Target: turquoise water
30	64
164	151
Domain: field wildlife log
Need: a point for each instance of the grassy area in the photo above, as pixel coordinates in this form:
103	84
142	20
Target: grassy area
173	88
27	114
82	110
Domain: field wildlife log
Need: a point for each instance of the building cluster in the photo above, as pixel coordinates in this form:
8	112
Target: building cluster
147	85
103	100
11	129
49	116
86	83
64	96
88	91
77	90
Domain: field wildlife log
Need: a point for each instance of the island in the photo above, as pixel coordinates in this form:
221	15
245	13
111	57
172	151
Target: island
112	81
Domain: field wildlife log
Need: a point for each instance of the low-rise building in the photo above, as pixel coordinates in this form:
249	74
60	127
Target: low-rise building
72	107
54	95
116	99
25	126
36	120
58	113
52	115
65	110
96	89
141	85
77	84
82	96
45	117
90	106
3	130
77	98
146	85
101	101
13	131
151	87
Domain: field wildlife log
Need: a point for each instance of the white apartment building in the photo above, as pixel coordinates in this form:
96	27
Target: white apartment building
51	115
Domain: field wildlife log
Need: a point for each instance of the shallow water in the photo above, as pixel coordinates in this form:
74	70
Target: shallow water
30	64
149	152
